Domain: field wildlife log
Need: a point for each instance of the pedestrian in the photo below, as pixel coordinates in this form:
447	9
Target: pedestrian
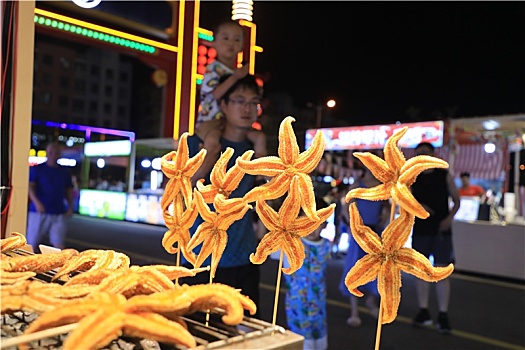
219	76
50	186
239	105
467	189
305	301
433	235
375	215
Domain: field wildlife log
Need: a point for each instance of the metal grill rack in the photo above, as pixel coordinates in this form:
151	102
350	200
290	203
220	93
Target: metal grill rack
251	333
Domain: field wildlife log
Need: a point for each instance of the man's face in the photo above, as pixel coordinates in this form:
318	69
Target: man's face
241	108
465	181
52	153
228	41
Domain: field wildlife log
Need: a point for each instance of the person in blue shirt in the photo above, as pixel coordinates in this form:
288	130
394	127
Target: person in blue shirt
50	186
239	105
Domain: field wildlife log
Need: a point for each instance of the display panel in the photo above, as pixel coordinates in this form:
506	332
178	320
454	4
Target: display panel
144	208
468	209
102	204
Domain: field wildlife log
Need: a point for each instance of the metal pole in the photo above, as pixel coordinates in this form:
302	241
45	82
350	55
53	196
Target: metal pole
319	109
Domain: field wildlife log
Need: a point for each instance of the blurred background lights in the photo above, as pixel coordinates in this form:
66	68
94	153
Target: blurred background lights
490	147
101	163
330	103
155	163
146	163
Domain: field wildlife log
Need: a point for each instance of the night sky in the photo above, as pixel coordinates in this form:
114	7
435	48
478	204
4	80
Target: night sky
390	61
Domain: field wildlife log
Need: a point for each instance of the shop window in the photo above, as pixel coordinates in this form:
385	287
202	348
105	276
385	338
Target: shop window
64	82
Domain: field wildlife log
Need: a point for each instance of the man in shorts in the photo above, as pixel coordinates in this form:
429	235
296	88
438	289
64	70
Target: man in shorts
433	236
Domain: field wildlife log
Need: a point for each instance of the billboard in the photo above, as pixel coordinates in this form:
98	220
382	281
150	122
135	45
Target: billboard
375	136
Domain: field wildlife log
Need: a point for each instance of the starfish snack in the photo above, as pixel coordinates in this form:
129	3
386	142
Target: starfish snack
179	168
212	232
396	175
386	259
178	221
93	259
290	164
286	229
15	241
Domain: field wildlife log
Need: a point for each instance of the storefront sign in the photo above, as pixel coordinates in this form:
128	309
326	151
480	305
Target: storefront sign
375	136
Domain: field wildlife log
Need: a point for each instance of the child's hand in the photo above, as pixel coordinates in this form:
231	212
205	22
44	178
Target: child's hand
241	72
258	138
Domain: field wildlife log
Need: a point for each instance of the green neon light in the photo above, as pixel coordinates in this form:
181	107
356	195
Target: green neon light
93	34
199	81
205	37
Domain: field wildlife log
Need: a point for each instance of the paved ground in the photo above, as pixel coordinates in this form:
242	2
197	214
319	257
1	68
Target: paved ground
485	313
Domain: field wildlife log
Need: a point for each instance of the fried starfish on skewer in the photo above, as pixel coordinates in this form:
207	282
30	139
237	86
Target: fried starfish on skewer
396	175
212	232
184	300
103	317
386	259
39	263
93	259
290	164
16	240
178	226
222	181
286	229
179	168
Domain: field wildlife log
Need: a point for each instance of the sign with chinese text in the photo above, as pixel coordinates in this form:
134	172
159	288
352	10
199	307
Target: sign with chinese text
375	136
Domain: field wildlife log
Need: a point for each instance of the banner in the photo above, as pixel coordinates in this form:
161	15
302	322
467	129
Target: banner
375	136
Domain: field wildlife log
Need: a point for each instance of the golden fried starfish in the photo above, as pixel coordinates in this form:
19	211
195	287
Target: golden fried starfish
222	181
183	300
396	175
290	164
103	317
179	168
286	229
386	259
39	263
212	232
178	226
16	240
93	259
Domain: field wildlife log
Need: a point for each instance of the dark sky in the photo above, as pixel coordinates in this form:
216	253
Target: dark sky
376	59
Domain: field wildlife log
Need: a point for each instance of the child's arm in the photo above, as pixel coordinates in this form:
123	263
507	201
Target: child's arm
221	89
258	138
204	128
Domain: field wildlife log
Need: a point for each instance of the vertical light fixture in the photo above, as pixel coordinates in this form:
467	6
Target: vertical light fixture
242	9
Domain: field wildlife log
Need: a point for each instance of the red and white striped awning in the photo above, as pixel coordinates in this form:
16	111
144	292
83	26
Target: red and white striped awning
472	159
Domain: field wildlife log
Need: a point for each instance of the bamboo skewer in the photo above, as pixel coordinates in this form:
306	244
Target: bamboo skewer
277	288
26	338
380	315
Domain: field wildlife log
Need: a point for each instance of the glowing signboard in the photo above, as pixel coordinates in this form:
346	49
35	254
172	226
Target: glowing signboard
375	136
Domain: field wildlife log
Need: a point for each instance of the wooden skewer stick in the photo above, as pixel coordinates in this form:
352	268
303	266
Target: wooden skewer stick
277	288
47	333
380	315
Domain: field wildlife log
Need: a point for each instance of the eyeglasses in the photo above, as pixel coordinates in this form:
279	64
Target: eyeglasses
244	103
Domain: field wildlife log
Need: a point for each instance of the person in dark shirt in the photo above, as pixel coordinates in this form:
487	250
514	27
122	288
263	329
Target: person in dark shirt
433	236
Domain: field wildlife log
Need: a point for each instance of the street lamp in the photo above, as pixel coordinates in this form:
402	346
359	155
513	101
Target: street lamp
319	110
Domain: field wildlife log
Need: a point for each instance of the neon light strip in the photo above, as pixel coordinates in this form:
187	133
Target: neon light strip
106	30
205	34
66	27
253	29
193	87
87	129
178	78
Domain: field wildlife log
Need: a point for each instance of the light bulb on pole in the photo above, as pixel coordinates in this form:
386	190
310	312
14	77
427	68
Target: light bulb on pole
319	110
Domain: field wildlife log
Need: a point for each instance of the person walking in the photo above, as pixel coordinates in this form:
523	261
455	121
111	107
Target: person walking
50	187
434	188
